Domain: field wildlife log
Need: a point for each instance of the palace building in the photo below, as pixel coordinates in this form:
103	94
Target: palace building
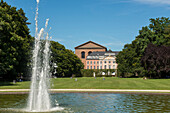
96	56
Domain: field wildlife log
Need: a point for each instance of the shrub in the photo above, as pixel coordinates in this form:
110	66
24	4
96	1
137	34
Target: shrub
98	72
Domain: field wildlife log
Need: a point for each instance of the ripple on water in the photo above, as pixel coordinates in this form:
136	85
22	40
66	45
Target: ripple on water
12	110
92	103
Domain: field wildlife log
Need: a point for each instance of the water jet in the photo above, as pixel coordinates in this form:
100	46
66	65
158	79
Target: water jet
39	99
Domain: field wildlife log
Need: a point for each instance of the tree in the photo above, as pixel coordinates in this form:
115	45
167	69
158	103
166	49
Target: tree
129	59
67	62
15	42
156	60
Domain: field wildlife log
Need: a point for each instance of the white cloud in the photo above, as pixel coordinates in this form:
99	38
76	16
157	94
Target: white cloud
58	40
114	44
156	2
109	40
115	1
167	2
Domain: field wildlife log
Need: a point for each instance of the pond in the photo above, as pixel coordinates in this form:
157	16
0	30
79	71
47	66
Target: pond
93	103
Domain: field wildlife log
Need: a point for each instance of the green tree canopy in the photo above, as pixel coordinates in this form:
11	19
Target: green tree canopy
14	41
67	62
129	59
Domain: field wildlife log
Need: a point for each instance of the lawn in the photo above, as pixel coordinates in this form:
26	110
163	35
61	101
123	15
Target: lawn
98	83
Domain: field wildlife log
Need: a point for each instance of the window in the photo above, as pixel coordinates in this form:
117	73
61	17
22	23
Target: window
94	62
90	67
105	66
114	61
94	67
109	66
100	62
87	62
100	67
97	62
87	67
97	67
82	54
90	62
114	66
104	61
109	62
89	52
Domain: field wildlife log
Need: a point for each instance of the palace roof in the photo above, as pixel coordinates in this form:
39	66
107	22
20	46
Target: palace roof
101	55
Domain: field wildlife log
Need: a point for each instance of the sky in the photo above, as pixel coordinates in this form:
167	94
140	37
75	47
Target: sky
111	23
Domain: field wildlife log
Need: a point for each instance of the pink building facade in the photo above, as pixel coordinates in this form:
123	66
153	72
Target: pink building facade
101	60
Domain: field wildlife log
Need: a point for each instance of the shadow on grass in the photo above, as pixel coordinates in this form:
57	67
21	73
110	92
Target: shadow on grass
6	83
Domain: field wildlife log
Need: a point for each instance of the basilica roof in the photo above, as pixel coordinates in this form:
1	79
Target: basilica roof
90	45
101	55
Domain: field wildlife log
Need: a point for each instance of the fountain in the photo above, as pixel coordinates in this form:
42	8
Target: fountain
39	100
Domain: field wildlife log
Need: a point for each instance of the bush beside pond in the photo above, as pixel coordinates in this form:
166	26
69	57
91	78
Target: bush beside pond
98	72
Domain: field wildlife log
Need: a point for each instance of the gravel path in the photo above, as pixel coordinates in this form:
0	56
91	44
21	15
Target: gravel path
89	90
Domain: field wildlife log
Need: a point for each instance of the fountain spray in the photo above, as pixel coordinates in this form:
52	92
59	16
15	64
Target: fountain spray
39	99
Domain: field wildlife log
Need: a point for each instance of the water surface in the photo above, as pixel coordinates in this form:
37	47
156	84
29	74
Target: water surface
93	103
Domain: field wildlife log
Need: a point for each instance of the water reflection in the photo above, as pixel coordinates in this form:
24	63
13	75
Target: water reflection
96	103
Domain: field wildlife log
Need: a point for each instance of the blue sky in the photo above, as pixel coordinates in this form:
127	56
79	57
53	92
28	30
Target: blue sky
111	23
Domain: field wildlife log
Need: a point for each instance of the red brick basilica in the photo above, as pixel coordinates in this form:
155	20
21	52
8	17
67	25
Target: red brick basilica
96	56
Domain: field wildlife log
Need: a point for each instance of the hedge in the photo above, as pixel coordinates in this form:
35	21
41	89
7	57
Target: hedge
98	72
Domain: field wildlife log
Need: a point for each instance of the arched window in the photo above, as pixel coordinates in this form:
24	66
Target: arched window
89	52
82	54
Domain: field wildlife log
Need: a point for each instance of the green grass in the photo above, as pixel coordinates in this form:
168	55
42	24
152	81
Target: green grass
110	83
17	85
98	83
